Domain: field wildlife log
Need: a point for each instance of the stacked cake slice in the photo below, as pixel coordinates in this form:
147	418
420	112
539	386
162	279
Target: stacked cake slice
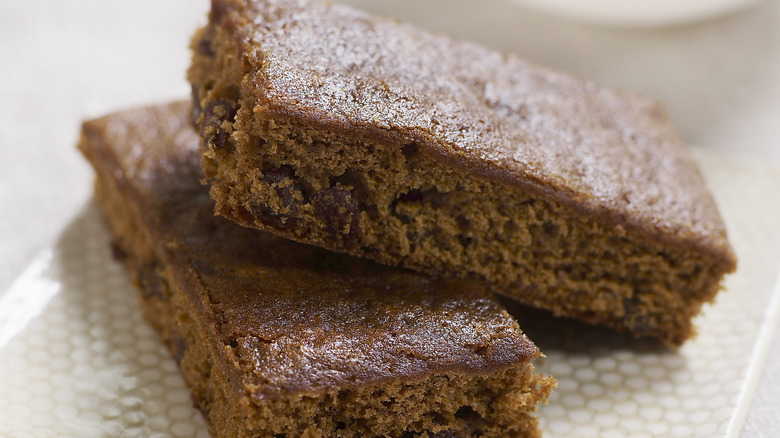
363	135
318	128
276	338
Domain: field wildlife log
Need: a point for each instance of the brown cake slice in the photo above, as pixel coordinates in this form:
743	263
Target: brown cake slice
359	134
279	339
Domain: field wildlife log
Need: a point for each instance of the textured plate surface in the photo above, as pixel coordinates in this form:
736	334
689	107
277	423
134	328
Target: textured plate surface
77	359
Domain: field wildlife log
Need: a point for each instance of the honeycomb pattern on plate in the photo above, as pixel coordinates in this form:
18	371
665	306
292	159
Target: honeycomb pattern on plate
88	365
78	360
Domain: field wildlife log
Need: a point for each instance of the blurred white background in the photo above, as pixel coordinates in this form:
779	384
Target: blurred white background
633	13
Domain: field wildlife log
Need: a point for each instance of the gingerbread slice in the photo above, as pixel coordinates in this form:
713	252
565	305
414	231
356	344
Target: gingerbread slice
371	137
276	338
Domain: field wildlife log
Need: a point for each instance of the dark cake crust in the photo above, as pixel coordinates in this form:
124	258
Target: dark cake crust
363	135
280	339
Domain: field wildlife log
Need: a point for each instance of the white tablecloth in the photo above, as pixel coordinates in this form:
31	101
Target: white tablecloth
62	62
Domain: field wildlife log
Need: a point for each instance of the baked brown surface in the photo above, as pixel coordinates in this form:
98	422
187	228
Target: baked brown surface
363	135
276	338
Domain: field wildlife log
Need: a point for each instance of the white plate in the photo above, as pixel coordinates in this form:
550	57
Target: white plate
639	12
77	359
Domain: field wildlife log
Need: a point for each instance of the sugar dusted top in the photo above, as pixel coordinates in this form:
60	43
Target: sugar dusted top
608	153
